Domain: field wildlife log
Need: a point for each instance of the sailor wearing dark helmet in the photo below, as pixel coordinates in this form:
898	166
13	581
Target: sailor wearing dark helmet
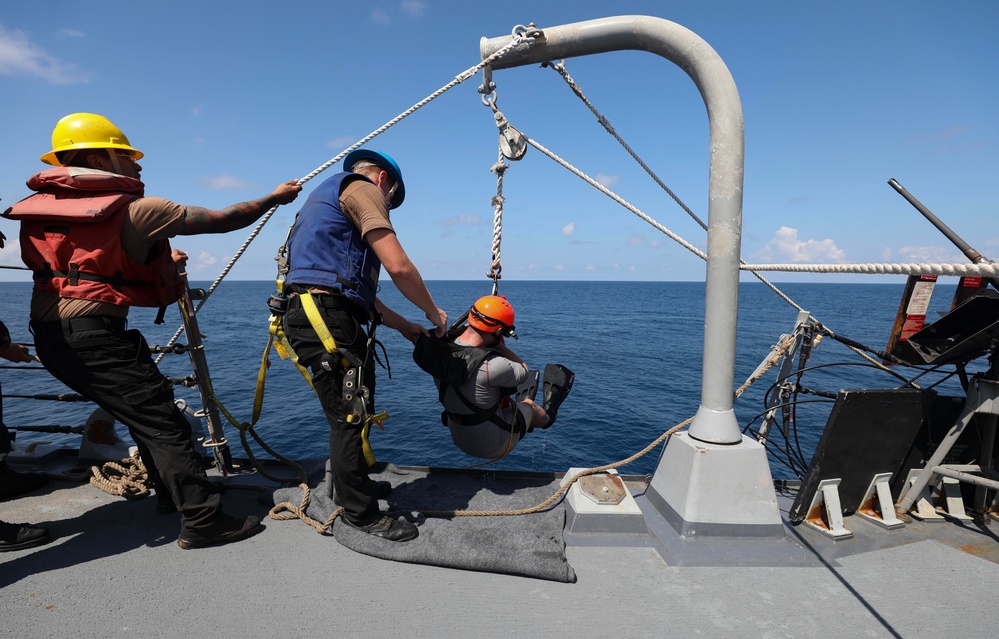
98	246
341	239
477	376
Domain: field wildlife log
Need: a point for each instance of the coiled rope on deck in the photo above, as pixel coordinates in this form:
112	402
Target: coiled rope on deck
127	478
287	510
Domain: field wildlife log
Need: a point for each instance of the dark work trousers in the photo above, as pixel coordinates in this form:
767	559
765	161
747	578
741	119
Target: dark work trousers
113	368
346	322
4	433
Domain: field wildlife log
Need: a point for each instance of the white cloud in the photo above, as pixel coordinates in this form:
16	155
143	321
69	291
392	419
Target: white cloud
341	141
11	253
205	259
637	239
589	267
71	33
785	246
927	255
414	8
462	219
559	267
226	182
18	56
608	181
569	229
196	110
380	16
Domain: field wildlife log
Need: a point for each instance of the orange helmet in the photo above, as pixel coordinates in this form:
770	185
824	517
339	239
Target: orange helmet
491	314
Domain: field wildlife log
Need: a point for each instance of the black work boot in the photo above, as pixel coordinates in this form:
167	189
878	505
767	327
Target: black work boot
21	536
388	528
13	483
224	530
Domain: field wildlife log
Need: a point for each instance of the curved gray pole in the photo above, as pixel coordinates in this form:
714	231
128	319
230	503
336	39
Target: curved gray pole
715	421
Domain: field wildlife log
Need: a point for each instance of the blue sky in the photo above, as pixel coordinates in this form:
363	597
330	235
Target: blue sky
837	97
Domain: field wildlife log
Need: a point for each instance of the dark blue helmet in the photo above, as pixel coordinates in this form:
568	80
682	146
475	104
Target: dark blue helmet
387	163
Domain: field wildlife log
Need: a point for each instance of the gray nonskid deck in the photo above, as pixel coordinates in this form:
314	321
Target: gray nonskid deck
115	571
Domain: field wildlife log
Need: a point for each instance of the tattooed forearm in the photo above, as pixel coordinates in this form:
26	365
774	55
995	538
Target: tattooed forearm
200	220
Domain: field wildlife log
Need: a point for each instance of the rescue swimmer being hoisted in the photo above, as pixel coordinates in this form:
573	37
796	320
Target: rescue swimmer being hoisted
486	390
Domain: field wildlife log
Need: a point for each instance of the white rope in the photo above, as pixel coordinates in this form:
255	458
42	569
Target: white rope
496	271
519	36
984	269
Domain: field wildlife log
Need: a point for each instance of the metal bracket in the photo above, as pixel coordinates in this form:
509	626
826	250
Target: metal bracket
881	511
923	508
825	514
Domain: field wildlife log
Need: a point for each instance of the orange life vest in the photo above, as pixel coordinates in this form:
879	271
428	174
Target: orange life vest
71	240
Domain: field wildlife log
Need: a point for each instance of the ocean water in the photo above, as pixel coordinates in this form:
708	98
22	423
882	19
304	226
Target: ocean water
635	347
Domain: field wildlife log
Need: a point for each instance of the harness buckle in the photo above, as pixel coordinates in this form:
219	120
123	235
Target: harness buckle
278	303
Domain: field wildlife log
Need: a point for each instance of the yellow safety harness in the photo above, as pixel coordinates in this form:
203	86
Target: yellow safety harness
354	392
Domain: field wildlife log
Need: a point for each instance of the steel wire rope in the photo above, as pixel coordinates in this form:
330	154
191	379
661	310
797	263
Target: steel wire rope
660	227
617	198
605	123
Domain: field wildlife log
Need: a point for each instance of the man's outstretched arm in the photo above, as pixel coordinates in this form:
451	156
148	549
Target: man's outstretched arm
200	220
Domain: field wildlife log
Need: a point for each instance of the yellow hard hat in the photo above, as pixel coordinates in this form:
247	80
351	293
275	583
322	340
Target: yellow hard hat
86	131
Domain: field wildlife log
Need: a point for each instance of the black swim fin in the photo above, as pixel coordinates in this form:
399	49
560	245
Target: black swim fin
555	388
529	388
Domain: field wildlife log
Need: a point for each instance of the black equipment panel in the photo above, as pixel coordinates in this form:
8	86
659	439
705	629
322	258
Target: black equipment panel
868	432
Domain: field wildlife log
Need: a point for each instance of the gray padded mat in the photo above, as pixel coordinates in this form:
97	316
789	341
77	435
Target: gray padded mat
528	545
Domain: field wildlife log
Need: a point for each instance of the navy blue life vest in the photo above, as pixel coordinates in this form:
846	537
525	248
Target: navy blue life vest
326	249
